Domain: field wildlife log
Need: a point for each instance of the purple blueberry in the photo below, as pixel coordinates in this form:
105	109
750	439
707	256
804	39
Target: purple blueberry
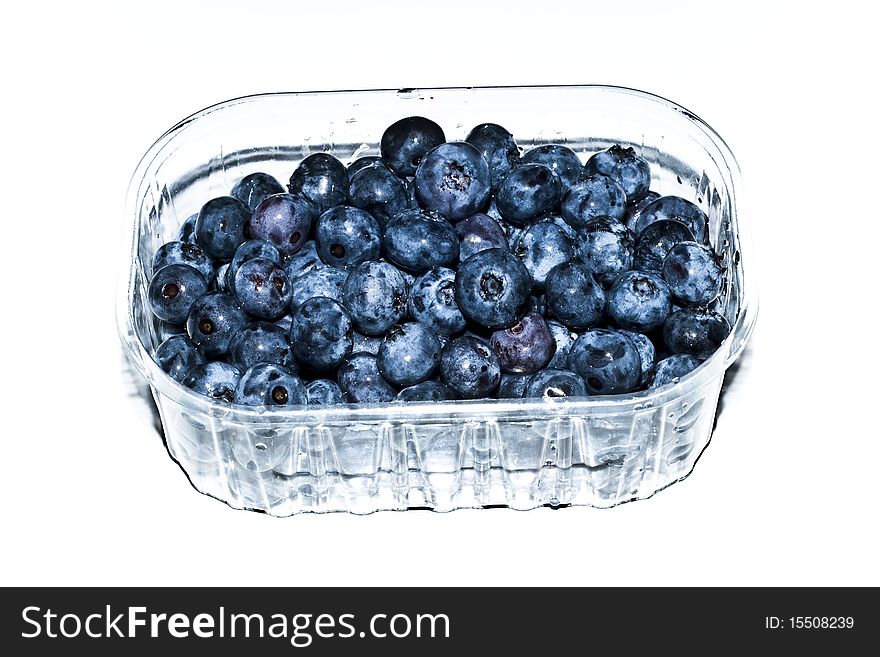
525	347
478	233
284	221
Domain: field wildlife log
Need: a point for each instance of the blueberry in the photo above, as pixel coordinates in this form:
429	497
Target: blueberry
498	147
525	347
187	231
607	360
606	246
646	354
321	333
303	261
512	386
368	343
564	338
692	272
470	367
697	331
478	233
183	253
378	191
268	384
654	243
213	320
220	226
453	179
360	380
255	187
574	296
432	302
322	179
639	301
492	288
284	221
167	330
177	356
409	354
420	239
347	236
405	142
631	171
557	220
634	210
215	379
527	193
262	289
363	163
260	342
375	294
325	282
675	208
173	291
248	251
563	161
540	248
427	391
673	368
552	383
592	197
322	392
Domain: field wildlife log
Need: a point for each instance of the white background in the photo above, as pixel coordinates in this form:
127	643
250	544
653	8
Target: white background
787	493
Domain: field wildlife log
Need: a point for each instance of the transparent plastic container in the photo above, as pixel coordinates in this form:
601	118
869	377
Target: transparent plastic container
595	451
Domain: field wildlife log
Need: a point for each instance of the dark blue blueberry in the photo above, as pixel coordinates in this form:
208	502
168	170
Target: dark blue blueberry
260	343
409	354
321	333
268	384
527	193
557	220
184	253
220	226
284	221
634	210
324	282
639	301
512	386
654	243
375	294
647	354
177	356
420	239
360	380
368	343
363	163
553	383
623	165
215	379
525	347
574	296
405	142
248	251
564	338
303	261
563	161
322	179
255	187
453	179
478	233
427	391
697	331
262	289
692	272
432	302
322	392
607	360
675	208
213	320
173	291
498	147
347	236
470	367
605	246
673	368
378	191
187	231
593	197
492	288
540	248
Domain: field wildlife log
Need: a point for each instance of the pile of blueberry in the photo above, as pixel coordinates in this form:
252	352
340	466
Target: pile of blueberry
440	270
